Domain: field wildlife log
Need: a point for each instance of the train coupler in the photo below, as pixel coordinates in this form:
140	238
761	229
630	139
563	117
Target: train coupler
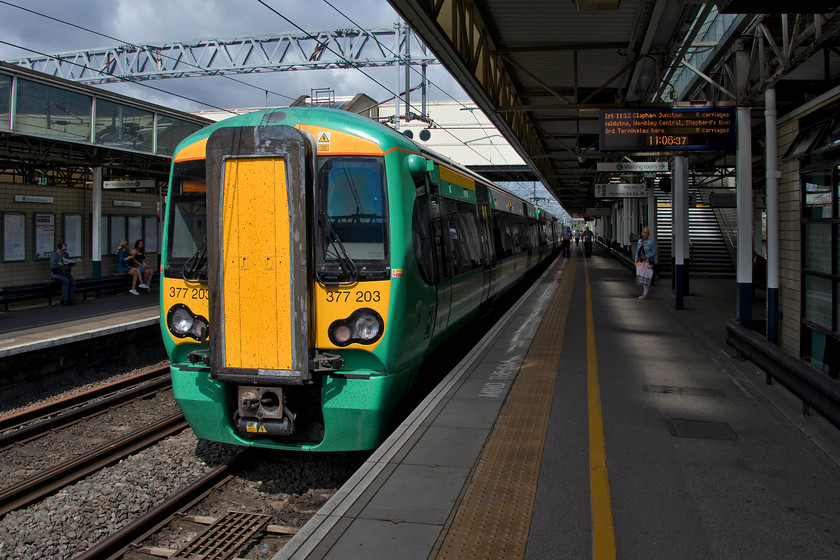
325	363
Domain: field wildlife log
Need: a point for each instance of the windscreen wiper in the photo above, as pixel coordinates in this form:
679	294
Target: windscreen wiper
196	263
328	277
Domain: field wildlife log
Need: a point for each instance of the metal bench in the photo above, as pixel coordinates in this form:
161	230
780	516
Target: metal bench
52	289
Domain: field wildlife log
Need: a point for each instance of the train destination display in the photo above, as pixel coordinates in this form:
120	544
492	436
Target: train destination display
668	129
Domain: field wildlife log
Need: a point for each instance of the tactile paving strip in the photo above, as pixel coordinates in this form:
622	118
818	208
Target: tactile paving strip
494	516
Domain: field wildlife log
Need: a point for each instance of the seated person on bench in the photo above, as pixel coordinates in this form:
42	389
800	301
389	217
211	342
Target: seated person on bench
60	265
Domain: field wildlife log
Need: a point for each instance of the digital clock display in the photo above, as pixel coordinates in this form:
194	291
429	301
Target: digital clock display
663	129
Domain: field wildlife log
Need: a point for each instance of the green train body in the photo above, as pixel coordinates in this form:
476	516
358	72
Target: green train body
312	259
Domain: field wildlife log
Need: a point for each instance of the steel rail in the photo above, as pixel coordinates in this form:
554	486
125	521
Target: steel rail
43	484
116	545
81	412
56	406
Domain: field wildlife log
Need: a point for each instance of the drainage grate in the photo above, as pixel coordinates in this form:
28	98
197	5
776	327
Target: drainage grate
693	391
680	427
225	537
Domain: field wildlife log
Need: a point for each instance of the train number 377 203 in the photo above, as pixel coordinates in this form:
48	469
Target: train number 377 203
189	293
359	296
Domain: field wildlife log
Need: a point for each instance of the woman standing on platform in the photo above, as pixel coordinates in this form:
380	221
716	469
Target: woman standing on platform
645	255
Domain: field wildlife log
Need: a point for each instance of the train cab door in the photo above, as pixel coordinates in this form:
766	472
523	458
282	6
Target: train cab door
259	185
483	202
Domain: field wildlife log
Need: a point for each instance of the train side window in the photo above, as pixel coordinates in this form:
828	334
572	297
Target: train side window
469	234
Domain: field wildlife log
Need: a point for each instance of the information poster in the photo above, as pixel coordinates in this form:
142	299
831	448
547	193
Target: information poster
44	236
14	237
73	234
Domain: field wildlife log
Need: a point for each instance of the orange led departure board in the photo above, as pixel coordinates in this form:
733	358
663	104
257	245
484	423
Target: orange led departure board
668	129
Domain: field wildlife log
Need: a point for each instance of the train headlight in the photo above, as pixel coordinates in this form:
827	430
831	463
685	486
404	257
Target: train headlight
184	323
364	326
367	328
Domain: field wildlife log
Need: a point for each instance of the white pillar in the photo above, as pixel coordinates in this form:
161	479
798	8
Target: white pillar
680	228
96	222
743	173
772	174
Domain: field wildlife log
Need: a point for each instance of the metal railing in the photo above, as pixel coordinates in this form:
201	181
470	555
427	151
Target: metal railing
814	387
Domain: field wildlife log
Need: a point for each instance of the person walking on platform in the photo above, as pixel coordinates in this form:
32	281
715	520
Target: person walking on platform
645	256
587	242
566	246
60	265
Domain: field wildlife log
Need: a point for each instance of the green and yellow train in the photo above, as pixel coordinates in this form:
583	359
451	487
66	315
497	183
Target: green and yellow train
312	258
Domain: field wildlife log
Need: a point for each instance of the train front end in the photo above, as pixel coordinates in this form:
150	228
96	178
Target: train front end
277	283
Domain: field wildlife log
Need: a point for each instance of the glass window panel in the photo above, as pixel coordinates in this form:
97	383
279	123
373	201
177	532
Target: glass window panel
830	138
124	127
837	307
51	111
170	132
5	100
817	244
103	236
818	303
135	230
118	233
150	227
818	191
802	143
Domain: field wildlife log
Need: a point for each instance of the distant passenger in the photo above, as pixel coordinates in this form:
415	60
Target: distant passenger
645	257
137	258
566	246
587	242
577	237
124	268
60	265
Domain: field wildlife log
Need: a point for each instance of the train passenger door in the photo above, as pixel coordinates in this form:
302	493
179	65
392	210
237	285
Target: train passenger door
259	185
443	260
482	198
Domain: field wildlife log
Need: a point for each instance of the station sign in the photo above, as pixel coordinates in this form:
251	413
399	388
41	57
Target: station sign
130	184
620	190
597	212
641	166
658	129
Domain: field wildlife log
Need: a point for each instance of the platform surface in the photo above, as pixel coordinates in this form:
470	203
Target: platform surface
655	442
27	329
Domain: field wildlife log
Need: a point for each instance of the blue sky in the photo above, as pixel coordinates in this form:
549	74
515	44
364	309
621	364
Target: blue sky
156	21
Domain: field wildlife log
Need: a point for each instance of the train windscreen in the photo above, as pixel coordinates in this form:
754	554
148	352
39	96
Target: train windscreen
187	223
353	213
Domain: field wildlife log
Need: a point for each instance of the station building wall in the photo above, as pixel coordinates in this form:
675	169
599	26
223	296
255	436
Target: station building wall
126	215
809	233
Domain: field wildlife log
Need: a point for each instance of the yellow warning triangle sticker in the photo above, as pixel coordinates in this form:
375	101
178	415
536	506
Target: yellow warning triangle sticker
323	137
262	429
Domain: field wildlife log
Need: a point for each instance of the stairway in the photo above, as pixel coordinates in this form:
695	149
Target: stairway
708	251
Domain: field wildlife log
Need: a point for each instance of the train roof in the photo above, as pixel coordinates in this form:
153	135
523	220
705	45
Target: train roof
345	121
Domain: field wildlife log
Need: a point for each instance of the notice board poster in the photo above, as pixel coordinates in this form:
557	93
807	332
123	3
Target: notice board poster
73	234
14	237
668	129
44	236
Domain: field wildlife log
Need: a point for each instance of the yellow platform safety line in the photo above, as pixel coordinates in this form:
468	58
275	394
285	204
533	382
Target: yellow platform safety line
494	517
603	530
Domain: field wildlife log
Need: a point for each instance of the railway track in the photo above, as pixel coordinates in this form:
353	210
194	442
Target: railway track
80	453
